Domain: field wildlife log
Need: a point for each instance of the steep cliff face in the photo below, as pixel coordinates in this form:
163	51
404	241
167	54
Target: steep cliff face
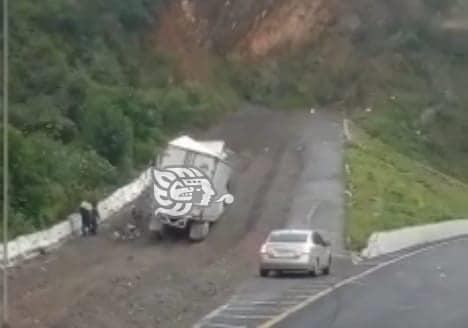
289	24
253	28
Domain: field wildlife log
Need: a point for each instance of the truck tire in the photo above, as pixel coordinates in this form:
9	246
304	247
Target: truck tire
231	184
156	229
199	230
159	235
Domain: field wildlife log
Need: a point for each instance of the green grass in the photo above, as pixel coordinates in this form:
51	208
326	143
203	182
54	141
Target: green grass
390	190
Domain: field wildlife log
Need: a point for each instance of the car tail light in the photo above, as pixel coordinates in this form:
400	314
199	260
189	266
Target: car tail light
307	249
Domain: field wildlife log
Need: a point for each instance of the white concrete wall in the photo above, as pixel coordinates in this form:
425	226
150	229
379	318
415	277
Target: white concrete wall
381	243
27	246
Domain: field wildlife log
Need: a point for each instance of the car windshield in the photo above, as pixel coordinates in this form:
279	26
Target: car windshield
288	237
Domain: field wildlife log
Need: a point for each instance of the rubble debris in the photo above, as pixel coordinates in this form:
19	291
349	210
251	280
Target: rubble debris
128	232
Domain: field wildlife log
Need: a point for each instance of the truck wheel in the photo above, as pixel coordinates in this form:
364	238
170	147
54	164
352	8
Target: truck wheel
231	186
263	272
199	230
158	235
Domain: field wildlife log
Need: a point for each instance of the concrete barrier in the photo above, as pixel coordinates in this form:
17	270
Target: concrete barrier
381	243
28	246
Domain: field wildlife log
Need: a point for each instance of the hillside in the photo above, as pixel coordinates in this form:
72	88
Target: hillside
97	87
91	102
398	69
405	61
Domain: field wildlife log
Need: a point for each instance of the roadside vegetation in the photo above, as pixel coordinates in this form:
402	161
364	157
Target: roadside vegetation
91	102
388	190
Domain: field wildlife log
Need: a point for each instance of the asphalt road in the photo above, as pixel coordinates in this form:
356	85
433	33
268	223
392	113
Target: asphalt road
428	290
316	203
318	200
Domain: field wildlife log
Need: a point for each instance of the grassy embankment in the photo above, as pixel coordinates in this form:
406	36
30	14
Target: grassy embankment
389	190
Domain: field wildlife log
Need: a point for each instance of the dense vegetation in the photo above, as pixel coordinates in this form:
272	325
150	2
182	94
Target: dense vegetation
91	102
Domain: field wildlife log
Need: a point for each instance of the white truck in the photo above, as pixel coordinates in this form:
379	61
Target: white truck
190	181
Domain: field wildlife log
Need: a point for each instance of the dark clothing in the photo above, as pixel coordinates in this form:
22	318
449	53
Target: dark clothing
94	220
85	220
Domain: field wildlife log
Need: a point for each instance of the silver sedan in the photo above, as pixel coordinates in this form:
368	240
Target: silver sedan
295	250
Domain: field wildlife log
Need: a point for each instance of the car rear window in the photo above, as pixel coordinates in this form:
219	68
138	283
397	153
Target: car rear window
288	237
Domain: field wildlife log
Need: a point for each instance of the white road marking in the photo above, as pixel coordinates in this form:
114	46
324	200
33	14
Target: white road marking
250	309
341	255
220	325
212	314
278	302
312	211
244	317
273	321
293	296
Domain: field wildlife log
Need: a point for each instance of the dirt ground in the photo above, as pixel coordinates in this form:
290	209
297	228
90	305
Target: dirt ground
103	282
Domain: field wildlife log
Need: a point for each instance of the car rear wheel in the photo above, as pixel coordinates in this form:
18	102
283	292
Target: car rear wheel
263	272
326	271
315	270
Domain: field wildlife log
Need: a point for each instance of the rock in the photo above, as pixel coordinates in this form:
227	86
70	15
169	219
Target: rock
350	23
348	193
300	148
347	169
428	116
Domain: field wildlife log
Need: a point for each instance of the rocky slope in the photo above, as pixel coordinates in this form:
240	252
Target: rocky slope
254	28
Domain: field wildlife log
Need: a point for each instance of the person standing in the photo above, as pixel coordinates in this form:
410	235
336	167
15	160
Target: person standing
85	212
94	218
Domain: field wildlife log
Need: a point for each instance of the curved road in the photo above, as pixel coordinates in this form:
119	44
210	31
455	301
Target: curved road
427	290
317	202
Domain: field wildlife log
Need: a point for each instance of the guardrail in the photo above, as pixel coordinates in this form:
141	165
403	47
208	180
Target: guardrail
27	246
381	243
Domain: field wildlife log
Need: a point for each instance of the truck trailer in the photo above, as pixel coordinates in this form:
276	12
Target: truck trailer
191	186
